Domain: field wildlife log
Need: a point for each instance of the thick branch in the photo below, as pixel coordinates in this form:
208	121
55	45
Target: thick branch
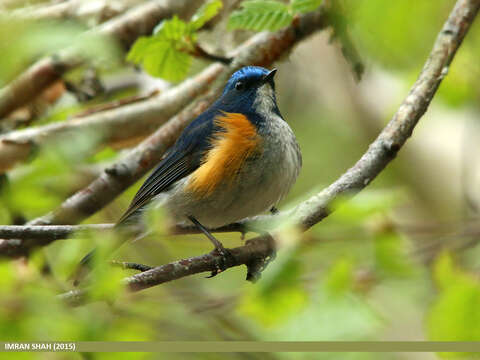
49	232
126	28
379	154
262	49
73	9
60	232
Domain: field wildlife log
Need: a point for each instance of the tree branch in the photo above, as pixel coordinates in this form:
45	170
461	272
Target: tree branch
200	52
61	232
400	128
125	28
255	254
135	120
47	232
73	9
378	155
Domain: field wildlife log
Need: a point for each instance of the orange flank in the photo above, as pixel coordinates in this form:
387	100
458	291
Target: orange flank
230	148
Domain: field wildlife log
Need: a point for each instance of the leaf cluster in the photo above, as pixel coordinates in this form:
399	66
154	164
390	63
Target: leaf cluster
167	53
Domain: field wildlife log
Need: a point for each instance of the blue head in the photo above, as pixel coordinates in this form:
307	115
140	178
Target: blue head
250	91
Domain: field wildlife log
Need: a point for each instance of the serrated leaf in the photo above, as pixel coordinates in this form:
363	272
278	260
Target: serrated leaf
304	6
206	12
161	55
173	29
260	15
167	62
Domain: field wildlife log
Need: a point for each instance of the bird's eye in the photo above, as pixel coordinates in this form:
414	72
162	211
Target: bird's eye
240	85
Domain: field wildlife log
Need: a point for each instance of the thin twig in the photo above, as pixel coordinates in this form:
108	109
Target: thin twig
131	265
200	52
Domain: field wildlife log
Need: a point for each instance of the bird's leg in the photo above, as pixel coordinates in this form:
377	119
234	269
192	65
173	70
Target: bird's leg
218	245
227	257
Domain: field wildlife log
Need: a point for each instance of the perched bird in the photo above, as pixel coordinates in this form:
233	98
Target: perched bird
237	159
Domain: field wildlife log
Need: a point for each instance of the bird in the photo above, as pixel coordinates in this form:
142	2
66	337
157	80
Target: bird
237	159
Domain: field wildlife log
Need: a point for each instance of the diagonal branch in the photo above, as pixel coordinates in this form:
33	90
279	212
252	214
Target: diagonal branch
378	155
130	121
73	9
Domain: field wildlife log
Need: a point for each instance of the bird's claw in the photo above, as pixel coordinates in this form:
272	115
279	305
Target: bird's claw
226	260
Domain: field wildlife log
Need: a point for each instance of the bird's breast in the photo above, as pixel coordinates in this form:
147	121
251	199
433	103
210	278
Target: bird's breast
235	141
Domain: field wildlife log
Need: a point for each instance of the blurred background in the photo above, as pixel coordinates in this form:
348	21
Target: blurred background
400	261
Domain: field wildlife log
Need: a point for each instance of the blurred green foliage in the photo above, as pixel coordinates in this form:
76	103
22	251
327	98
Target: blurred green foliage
355	276
22	42
42	184
454	315
392	35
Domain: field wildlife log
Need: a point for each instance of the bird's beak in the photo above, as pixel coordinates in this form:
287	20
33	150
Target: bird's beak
269	76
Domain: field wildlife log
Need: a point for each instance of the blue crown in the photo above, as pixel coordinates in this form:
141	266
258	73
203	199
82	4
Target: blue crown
247	73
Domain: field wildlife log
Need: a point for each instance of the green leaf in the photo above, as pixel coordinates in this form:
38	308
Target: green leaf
390	255
173	29
279	295
339	280
205	13
304	6
455	314
42	184
260	15
162	55
444	271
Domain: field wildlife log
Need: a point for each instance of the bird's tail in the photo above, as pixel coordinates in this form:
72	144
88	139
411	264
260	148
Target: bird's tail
124	232
83	268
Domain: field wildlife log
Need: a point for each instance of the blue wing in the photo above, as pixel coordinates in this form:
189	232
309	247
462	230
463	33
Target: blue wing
183	159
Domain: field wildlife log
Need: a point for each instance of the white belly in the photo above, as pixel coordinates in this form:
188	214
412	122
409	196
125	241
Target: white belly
262	182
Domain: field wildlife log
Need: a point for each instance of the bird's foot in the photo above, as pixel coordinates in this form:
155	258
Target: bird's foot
224	260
